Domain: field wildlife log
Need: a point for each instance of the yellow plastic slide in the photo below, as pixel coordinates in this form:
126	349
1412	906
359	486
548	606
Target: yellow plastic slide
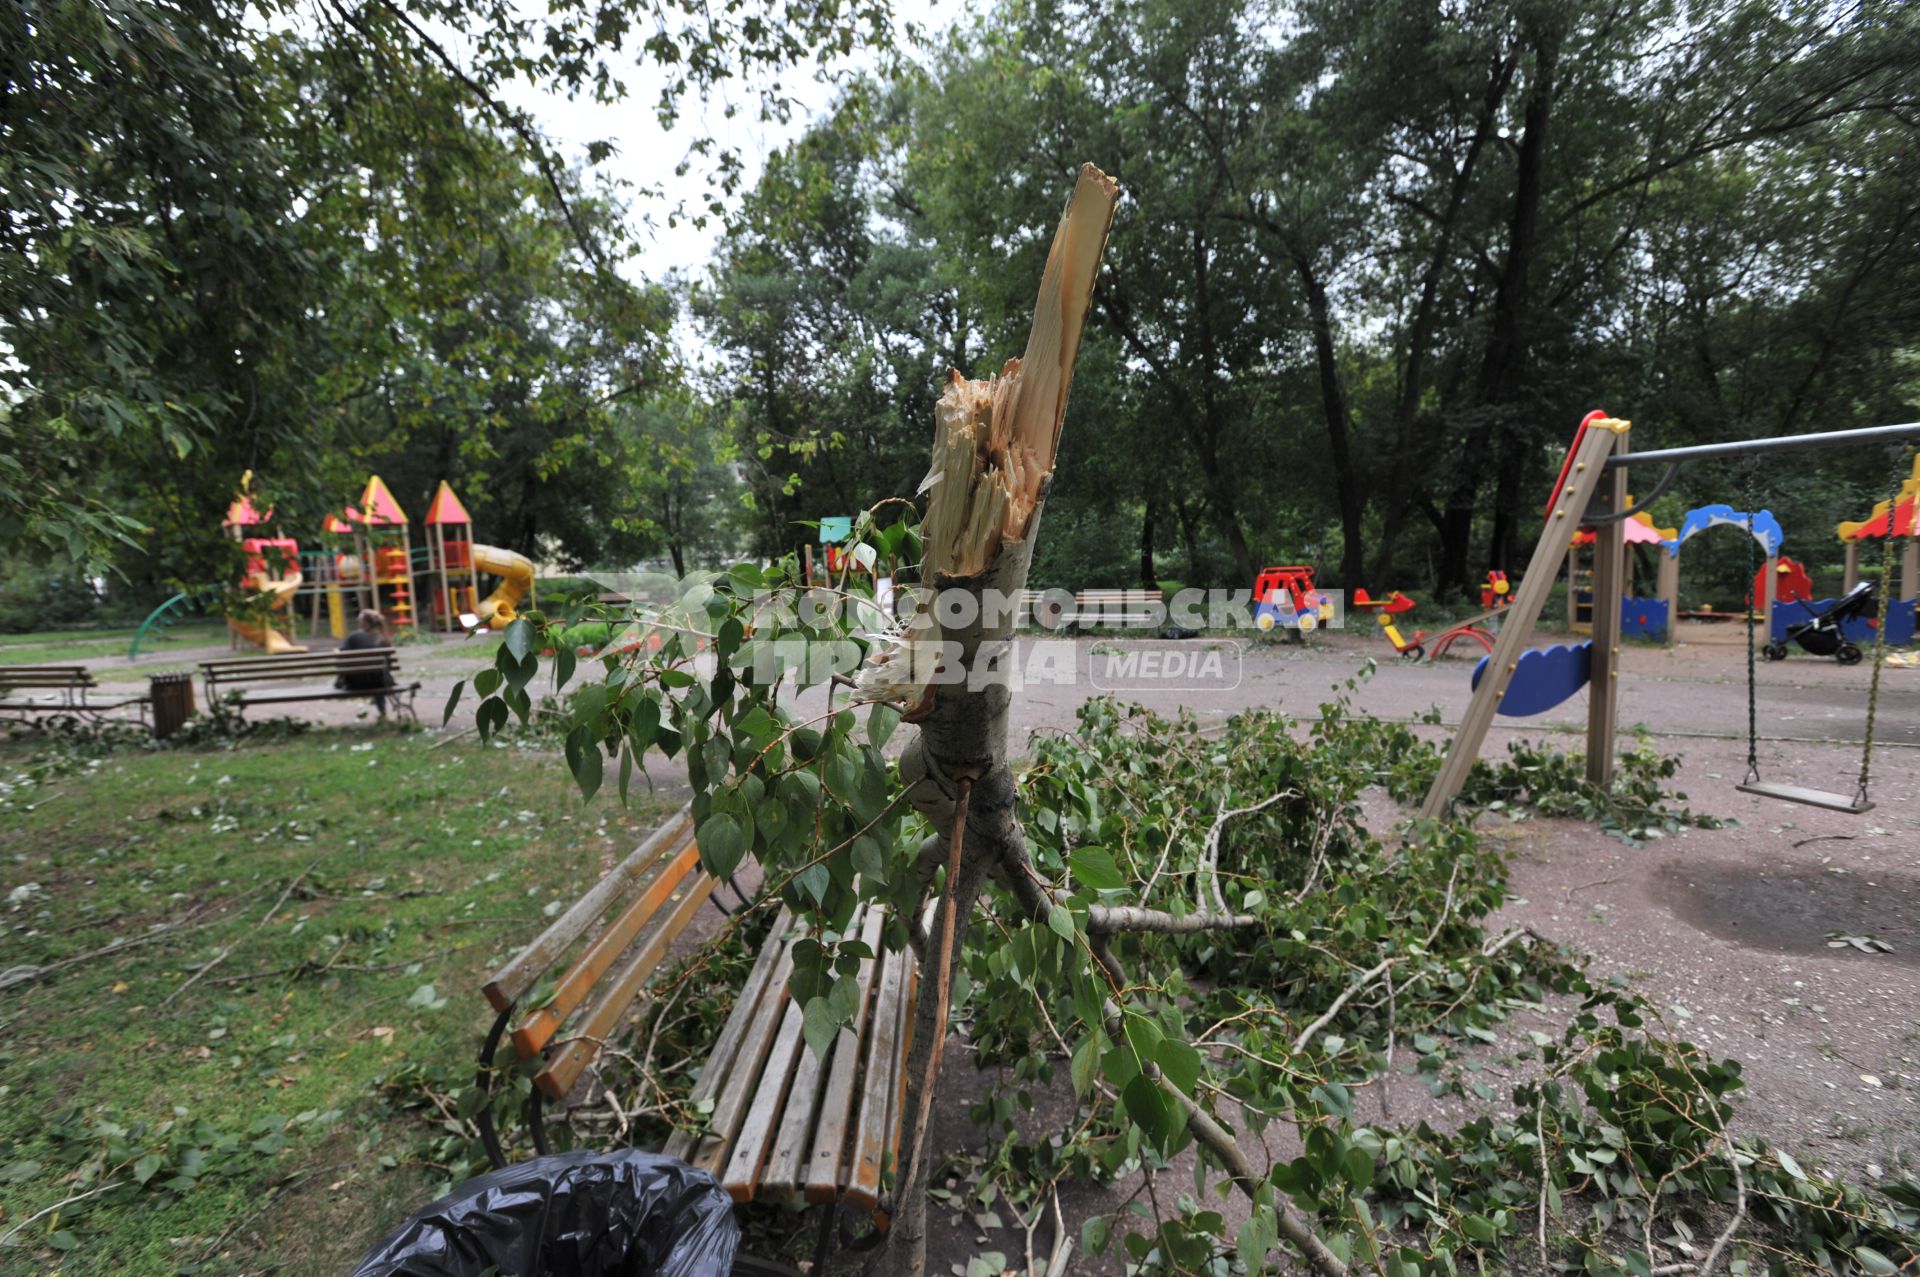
516	583
263	635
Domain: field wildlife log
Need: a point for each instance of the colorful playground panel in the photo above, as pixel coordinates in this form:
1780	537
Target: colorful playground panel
1542	678
1900	621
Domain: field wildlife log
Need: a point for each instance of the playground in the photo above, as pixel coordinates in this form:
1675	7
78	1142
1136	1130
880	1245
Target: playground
367	963
1069	640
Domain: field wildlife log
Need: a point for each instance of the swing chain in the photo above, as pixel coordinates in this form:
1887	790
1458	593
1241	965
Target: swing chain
1902	460
1753	604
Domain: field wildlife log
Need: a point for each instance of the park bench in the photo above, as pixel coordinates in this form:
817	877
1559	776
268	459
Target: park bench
784	1125
221	678
1091	607
70	685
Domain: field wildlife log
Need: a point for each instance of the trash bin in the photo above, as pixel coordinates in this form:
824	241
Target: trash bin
588	1214
172	698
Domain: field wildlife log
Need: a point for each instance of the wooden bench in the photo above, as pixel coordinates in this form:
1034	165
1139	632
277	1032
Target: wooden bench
1092	607
221	677
784	1124
70	684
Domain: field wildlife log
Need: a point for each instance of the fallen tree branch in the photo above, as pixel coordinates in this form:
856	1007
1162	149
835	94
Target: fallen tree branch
1365	977
221	956
1223	1146
1106	920
7	1240
1210	849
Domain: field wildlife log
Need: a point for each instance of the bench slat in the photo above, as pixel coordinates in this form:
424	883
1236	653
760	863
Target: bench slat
605	950
743	1071
330	694
745	1008
566	1064
879	1103
786	1167
822	1169
511	982
752	1145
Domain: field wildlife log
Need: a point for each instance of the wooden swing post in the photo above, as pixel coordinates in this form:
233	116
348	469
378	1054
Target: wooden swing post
1583	477
1609	589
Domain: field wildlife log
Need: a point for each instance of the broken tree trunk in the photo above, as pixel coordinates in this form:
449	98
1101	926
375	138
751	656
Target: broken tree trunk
993	457
951	670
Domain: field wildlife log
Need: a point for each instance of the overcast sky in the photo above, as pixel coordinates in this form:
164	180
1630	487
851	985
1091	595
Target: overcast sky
648	155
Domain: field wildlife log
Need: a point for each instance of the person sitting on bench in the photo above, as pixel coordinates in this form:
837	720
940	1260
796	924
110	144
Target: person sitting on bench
371	635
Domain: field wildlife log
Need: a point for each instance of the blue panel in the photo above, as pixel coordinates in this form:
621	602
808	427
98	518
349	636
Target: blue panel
1766	528
1643	618
1859	628
1542	678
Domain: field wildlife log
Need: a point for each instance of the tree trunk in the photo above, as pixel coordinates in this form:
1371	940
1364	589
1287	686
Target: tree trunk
993	453
1405	452
1149	579
1333	402
1502	364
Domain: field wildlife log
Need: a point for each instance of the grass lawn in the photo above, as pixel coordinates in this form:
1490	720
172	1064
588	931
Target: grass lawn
64	647
348	889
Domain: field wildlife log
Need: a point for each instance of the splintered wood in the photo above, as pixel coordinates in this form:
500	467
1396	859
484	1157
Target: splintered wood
995	440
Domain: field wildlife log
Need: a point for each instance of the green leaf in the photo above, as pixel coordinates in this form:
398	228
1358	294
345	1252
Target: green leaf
1152	1110
1094	867
146	1167
722	844
1479	1228
1181	1063
1874	1262
1060	922
587	771
821	1026
868	859
487	682
1257	1238
564	661
881	721
518	638
1086	1063
453	701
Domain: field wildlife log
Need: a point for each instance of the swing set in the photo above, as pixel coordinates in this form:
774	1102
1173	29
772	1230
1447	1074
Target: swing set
1592	492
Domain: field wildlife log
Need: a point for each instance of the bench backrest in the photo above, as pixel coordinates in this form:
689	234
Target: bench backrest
667	885
61	676
267	669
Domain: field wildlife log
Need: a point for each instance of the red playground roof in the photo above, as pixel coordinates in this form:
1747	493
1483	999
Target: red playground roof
379	506
446	507
336	524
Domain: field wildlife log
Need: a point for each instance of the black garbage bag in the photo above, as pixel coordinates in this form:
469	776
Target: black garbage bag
626	1214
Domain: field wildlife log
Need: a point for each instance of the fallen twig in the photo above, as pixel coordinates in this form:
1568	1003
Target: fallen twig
221	956
7	1239
1326	1018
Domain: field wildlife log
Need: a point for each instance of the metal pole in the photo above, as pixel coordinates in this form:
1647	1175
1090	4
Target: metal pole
1760	447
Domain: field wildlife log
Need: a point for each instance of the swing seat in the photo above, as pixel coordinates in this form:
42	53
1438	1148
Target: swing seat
1807	797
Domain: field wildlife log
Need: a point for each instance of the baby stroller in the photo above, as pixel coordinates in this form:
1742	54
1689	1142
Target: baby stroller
1821	635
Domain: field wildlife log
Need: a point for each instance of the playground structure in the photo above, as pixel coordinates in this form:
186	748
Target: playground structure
1592	491
385	547
272	572
1285	598
451	570
366	559
1384	611
1640	616
515	571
